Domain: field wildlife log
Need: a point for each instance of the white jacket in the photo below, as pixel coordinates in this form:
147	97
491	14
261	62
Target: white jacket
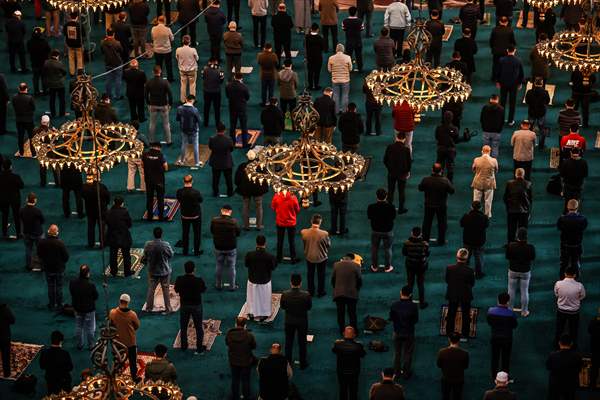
187	58
397	15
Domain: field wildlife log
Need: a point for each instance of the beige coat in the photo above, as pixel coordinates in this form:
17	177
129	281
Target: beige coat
485	168
329	12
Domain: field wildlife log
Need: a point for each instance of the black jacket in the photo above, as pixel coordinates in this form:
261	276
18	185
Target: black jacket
154	167
57	363
122	32
351	126
54	73
571	227
272	377
112	51
215	20
510	72
39	50
349	352
520	254
118	223
537	100
564	367
492	118
83	295
416	251
190	289
436	29
386	390
70	178
11	185
502	322
446	135
282	24
260	264
53	254
405	315
467	47
105	113
220	147
240	343
436	189
453	361
573	172
314	48
474	224
398	160
89	192
325	106
225	231
518	196
138	12
353	28
460	280
504	8
238	95
188	9
382	215
244	186
296	303
272	120
15	31
212	77
158	92
190	200
469	14
24	106
135	80
32	220
7	318
501	38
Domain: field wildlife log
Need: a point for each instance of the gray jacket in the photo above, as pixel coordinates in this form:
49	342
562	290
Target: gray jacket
384	51
346	279
157	254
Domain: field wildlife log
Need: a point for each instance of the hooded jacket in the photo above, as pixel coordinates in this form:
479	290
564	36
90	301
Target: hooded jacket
161	369
288	82
240	344
39	50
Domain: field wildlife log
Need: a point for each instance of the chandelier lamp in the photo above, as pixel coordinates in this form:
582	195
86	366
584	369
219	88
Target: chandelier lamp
306	166
85	143
424	88
78	5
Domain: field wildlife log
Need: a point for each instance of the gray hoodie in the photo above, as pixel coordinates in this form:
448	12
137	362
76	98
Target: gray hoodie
288	82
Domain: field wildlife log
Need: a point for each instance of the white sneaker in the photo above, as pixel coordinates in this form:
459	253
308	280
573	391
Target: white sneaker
524	313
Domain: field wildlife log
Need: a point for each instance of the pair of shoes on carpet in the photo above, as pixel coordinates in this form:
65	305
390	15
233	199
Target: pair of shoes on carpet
387	269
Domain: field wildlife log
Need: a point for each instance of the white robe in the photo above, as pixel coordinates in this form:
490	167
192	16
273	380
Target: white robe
258	298
302	14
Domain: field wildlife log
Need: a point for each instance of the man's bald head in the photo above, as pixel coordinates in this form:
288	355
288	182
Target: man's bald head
53	230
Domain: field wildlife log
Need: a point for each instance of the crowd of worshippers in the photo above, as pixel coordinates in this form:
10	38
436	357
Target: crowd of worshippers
127	36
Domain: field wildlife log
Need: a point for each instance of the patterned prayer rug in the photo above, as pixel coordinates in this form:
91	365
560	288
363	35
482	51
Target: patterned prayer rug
171	208
143	358
211	331
136	263
584	374
554	157
253	136
529	20
159	304
362	175
448	29
550	88
458	321
203	155
22	354
275	305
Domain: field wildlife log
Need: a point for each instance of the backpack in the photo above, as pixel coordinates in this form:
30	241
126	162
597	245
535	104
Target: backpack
374	324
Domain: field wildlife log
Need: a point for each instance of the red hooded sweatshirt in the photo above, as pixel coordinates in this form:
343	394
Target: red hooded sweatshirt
286	208
404	117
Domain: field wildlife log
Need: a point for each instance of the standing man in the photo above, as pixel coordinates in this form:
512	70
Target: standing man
453	361
492	121
287	81
225	231
569	294
470	16
404	121
351	127
348	352
233	42
571	225
475	224
346	281
466	46
155	166
157	253
53	256
436	189
187	61
24	107
296	303
365	12
258	9
221	161
162	37
15	38
340	65
213	78
328	13
32	221
215	21
268	62
138	12
564	367
189	120
122	31
159	99
398	162
404	314
460	280
446	136
436	28
54	74
314	47
316	251
518	200
112	50
134	79
94	192
286	207
118	225
57	363
387	389
240	344
502	321
71	181
567	117
282	25
274	373
126	321
397	18
537	100
484	180
326	107
190	288
260	264
500	391
4	98
416	251
573	172
191	215
74	41
381	214
250	191
238	95
83	297
520	256
353	26
501	38
12	184
385	50
188	10
509	79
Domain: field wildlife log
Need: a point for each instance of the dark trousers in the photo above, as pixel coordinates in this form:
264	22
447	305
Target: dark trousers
514	221
406	345
66	202
213	99
465	307
584	101
569	321
25	128
240	375
433	56
291	233
452	390
366	17
233	14
285	46
314	71
511	94
428	215
132	356
215	45
526	165
193	312
167	6
320	268
267	88
195	224
495	65
259	25
92	222
55	386
216	179
401	182
290	332
165	59
595	367
114	263
14	50
373	113
55	93
190	30
137	109
570	256
242	117
446	157
5	350
287	105
338	210
355	48
557	391
326	29
3	109
397	35
501	349
342	303
55	289
37	80
14	208
418	275
43	177
151	190
348	386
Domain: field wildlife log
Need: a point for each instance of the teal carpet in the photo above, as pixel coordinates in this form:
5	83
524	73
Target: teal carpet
208	376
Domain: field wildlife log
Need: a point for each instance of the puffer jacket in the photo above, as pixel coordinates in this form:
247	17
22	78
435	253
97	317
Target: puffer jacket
416	251
340	65
240	344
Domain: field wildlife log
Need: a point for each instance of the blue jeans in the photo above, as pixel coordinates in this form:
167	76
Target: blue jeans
477	253
192	139
114	80
30	241
492	139
55	287
85	328
225	263
520	279
376	238
267	87
343	89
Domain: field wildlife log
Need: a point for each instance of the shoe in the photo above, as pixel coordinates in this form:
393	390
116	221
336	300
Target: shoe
234	288
402	211
407	375
374	268
463	340
524	314
389	268
219	288
423	305
511	123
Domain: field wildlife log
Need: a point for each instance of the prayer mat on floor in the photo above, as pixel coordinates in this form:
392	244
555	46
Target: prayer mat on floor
171	208
159	304
211	331
458	321
584	373
174	16
244	70
529	20
203	155
136	263
253	137
275	304
143	358
22	354
554	157
27	150
447	32
549	88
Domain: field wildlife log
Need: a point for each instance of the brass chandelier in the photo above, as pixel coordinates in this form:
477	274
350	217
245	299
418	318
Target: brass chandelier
79	5
85	143
306	166
422	87
108	357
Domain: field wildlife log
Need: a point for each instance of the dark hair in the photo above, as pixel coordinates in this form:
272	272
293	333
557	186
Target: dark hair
31	197
434	13
503	298
454	337
381	194
296	279
316	219
510	49
314	27
156	70
84	270
388	372
416	231
221	127
384	31
566	340
189	267
467	31
476	205
571	271
456	54
287	62
268	46
54	53
118	201
401	135
240	321
160	350
574	127
406	290
190	97
273	101
494	97
351	106
56	337
437	168
352	11
261	240
157	232
238	76
570	103
109	32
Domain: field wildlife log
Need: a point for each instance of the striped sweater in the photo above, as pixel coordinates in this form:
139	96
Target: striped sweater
340	65
566	118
